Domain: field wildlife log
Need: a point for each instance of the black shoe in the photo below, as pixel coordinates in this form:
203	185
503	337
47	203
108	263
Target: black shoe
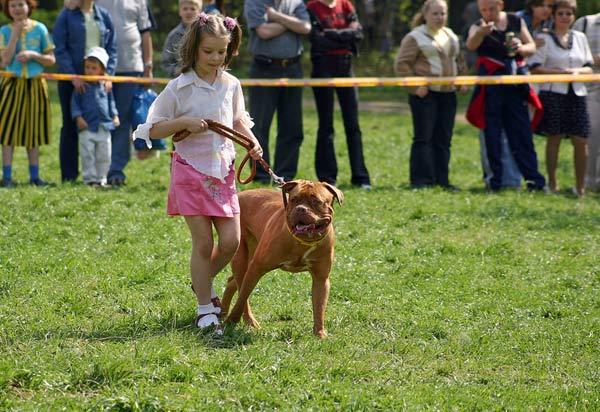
8	183
116	181
38	182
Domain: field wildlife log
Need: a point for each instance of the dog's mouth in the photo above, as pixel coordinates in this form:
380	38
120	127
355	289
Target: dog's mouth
312	229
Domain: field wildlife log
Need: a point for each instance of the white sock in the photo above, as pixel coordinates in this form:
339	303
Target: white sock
204	309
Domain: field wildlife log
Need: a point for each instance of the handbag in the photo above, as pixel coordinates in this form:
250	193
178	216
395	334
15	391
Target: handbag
140	104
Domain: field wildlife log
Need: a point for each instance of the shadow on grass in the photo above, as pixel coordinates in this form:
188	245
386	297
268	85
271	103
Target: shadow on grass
133	328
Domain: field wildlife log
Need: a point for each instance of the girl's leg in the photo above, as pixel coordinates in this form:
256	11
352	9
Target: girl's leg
33	155
228	230
7	155
200	259
552	148
580	158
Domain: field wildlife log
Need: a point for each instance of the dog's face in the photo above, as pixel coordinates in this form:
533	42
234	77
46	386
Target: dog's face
309	207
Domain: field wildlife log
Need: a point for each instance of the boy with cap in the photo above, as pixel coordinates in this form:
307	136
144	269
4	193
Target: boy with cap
96	115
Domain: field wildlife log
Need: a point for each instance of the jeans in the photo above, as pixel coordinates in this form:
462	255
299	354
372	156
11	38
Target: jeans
121	136
325	160
511	177
505	109
433	124
264	101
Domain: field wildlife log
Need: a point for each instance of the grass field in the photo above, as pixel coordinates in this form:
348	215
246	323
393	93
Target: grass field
439	300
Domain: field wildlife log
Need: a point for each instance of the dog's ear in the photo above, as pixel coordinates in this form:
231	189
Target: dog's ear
337	193
285	188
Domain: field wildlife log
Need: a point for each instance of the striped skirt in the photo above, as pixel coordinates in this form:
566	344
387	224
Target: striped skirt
24	112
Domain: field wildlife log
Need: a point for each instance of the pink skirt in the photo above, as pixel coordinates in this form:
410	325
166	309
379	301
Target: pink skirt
192	193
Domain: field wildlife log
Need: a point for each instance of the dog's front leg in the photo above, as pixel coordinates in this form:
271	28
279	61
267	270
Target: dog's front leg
251	278
320	295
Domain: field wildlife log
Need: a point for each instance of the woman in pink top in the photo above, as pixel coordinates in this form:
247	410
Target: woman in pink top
202	173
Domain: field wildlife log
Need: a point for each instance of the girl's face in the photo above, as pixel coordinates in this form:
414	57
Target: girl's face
563	18
188	13
543	11
18	9
436	15
211	54
93	67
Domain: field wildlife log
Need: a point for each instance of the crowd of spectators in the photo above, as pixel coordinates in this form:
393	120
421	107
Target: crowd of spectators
543	38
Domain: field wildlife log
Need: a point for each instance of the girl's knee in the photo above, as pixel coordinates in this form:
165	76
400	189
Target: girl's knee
229	245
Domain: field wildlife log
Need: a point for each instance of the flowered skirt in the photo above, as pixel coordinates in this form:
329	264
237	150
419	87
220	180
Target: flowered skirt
564	114
24	112
192	193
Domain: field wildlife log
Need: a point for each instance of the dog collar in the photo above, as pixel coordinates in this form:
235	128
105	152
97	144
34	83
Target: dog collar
302	241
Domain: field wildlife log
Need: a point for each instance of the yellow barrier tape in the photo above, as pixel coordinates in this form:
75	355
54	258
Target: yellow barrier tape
356	81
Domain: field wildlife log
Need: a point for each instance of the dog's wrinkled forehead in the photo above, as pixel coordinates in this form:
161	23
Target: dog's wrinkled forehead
306	189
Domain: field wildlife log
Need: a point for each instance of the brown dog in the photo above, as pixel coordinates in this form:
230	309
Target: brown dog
294	234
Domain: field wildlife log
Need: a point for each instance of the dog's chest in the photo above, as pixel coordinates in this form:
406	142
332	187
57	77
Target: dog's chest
301	263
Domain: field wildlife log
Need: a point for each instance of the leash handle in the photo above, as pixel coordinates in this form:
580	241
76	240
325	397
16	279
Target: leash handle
243	141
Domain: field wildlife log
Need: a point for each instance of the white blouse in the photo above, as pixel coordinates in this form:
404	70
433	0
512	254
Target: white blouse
188	95
553	55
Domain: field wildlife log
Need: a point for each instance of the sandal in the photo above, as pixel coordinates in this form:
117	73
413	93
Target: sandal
208	321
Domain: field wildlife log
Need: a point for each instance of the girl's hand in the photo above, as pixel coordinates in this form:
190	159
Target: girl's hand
108	86
25	55
256	152
195	125
17	27
422	91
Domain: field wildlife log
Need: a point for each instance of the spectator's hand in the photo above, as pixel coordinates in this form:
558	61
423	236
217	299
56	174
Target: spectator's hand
72	4
81	123
25	55
108	86
148	72
79	85
195	125
485	28
116	121
463	89
539	42
422	91
17	28
271	13
256	152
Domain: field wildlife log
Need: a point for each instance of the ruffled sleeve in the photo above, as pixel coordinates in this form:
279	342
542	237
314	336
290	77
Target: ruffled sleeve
163	108
239	107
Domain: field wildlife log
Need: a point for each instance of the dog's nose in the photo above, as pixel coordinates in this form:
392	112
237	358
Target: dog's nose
301	209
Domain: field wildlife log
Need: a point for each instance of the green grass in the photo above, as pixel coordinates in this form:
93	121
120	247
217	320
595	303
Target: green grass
438	300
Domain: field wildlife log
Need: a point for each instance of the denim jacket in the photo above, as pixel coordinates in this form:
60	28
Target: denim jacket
95	106
69	39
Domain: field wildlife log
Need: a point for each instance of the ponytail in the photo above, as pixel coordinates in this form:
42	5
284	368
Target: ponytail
417	20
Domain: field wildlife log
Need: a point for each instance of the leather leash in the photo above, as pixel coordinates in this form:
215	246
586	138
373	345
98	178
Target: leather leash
243	141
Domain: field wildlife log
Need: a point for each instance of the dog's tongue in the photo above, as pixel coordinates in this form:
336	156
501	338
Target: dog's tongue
300	228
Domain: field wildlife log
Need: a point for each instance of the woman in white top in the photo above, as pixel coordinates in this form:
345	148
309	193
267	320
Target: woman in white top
565	109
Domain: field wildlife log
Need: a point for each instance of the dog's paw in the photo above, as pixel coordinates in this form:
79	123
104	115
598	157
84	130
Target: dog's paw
321	334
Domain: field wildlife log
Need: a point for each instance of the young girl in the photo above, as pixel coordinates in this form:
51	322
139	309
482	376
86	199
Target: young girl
25	49
202	171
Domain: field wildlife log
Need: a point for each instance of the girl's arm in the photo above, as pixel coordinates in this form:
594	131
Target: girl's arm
170	127
46	59
243	128
8	53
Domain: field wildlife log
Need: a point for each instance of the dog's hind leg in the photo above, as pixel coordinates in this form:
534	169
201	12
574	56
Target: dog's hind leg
249	281
228	293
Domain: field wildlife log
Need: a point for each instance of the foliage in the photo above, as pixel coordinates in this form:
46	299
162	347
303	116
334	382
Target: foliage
439	300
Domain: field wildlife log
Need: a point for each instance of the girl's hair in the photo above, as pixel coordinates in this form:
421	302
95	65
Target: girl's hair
209	25
419	18
31	3
565	4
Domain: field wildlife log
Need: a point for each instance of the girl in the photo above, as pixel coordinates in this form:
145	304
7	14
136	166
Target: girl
430	49
202	172
25	49
565	51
